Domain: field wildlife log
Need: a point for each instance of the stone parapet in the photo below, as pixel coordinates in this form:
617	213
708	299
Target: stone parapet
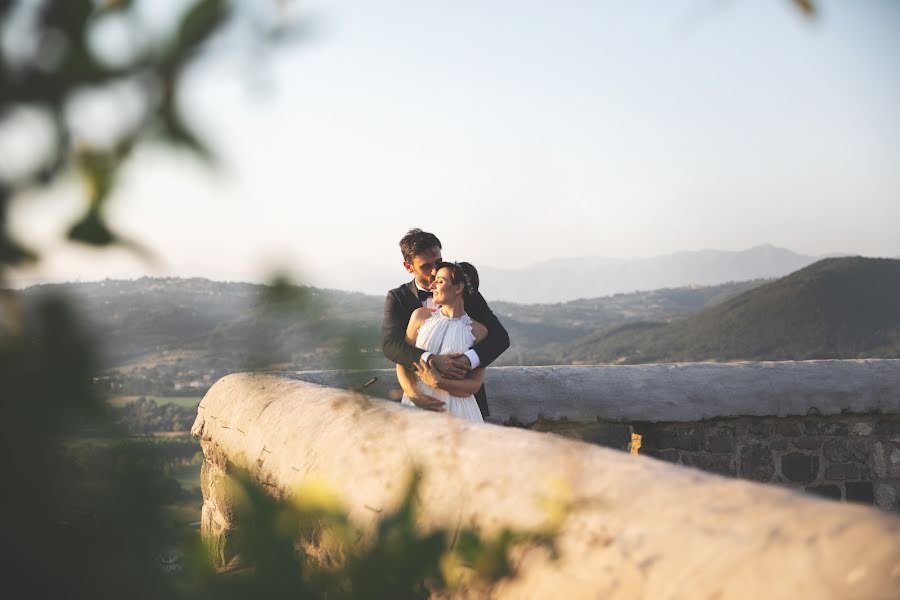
680	392
636	526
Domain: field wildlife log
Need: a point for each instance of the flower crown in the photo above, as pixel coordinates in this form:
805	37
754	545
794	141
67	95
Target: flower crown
465	275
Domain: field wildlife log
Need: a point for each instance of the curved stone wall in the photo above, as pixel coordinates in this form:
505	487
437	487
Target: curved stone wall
679	392
636	526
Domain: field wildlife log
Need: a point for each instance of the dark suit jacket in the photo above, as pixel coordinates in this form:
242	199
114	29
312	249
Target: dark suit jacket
398	308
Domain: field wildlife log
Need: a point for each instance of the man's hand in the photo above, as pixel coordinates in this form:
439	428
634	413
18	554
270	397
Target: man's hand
429	403
451	366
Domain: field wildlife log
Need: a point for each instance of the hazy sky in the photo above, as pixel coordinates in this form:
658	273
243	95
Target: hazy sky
520	131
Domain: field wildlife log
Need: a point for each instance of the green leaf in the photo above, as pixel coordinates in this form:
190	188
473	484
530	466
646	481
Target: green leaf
200	22
92	230
13	253
176	132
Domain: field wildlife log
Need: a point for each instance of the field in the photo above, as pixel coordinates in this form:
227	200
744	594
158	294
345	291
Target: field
183	401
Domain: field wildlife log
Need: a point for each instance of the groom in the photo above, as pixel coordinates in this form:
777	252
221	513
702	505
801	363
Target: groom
421	254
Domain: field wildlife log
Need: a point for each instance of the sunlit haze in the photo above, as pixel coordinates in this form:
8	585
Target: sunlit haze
518	132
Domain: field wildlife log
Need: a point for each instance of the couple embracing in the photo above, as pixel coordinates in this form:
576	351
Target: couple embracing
440	331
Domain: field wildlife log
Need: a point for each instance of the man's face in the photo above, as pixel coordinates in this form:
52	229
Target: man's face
423	266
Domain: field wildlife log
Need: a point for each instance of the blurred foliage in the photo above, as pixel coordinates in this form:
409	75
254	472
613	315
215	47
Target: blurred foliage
400	561
87	522
49	60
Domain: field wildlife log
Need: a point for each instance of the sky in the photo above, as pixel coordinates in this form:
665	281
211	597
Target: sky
518	132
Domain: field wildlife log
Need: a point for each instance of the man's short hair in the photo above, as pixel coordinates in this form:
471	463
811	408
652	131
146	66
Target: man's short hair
416	243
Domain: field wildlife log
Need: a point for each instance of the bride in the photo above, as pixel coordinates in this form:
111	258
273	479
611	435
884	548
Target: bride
446	330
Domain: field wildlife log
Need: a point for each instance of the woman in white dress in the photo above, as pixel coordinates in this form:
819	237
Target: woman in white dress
446	330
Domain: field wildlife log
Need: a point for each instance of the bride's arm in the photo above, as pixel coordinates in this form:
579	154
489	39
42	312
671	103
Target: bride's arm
454	387
405	376
407	381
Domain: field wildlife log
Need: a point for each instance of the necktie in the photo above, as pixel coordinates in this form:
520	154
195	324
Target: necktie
425	295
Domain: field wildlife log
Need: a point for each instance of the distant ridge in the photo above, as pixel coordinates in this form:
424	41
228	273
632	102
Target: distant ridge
835	308
567	279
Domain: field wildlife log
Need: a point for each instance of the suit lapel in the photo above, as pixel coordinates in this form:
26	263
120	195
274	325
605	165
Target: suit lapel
412	296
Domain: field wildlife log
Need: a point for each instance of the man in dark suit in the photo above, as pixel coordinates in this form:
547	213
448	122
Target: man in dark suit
421	254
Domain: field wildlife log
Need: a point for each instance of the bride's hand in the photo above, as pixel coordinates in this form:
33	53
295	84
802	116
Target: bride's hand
428	403
427	374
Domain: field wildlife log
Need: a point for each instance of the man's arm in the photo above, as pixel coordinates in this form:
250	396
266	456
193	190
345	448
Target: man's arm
497	340
393	333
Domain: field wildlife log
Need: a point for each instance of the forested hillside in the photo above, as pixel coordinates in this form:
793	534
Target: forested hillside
166	336
835	308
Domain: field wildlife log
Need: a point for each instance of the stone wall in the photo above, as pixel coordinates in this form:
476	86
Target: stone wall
851	457
633	526
829	427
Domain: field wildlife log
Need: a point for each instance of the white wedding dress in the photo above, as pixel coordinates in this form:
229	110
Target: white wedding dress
442	335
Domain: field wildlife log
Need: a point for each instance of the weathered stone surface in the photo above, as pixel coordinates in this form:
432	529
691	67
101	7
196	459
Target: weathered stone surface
757	463
778	444
808	443
612	435
886	495
787	428
888	425
836	450
800	467
720	443
636	527
712	463
673	392
677	439
842	471
892	460
824	427
879	462
862	428
826	491
761	427
671	456
860	491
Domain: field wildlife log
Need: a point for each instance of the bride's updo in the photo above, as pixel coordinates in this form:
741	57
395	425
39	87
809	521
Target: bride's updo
462	272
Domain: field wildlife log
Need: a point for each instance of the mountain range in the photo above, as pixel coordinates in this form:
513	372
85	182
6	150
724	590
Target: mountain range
183	334
565	279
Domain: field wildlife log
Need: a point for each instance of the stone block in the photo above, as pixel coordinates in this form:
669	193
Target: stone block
878	460
757	462
611	435
842	472
671	456
860	491
845	449
787	428
824	427
887	425
800	467
760	426
836	450
892	453
826	491
720	443
862	428
807	443
886	495
779	443
681	438
712	463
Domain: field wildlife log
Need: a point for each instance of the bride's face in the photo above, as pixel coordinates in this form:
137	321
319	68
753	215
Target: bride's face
445	291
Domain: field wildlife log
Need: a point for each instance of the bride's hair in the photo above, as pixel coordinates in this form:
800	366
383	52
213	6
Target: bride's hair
462	272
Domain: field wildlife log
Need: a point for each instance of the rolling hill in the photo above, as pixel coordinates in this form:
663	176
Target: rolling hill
834	308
